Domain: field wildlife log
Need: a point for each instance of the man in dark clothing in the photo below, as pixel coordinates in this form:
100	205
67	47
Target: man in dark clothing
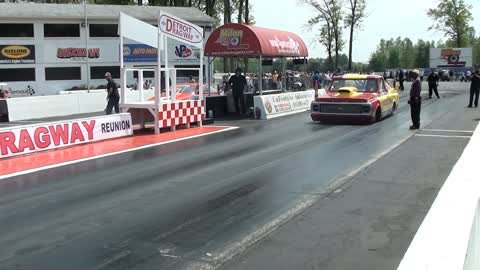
113	96
474	88
401	78
239	87
415	100
432	80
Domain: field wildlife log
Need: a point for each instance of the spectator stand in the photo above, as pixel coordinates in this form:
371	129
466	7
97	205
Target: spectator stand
165	111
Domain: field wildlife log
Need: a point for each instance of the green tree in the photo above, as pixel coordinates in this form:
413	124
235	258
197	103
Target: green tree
326	39
406	53
452	17
393	60
353	19
329	16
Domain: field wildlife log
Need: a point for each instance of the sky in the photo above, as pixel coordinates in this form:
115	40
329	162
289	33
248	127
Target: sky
386	19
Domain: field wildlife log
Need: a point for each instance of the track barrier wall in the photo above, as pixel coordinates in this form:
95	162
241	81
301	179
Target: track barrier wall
47	136
449	236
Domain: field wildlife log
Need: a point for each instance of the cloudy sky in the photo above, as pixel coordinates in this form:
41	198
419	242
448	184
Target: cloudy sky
386	19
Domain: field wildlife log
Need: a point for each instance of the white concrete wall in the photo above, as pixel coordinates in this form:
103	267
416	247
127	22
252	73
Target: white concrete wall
67	103
449	236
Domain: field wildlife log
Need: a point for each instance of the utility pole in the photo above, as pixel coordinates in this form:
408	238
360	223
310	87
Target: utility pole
86	45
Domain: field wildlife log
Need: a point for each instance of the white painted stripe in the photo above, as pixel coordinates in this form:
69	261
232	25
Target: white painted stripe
442	136
227	128
449	130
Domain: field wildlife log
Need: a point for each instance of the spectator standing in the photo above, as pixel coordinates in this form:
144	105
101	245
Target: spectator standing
474	88
317	79
468	74
415	100
421	75
432	80
239	87
113	96
401	77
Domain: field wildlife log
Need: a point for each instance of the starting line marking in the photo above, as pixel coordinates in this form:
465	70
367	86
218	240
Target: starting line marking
28	171
449	130
443	136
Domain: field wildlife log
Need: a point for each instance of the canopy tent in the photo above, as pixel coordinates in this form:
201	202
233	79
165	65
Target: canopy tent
242	40
248	41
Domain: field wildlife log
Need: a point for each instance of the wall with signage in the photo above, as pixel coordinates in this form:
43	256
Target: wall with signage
38	53
450	57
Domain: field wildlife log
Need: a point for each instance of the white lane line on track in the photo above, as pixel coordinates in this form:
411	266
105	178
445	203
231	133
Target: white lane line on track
305	202
449	130
443	136
2	177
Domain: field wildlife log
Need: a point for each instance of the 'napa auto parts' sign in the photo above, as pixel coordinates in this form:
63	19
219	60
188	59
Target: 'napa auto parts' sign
17	54
28	139
270	106
181	30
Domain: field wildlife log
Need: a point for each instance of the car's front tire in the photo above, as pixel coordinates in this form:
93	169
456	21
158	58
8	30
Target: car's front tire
377	116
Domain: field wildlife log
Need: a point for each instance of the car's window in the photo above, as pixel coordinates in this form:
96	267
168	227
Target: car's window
362	85
387	86
382	87
188	90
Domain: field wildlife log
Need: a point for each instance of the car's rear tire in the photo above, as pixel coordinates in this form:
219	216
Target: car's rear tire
394	108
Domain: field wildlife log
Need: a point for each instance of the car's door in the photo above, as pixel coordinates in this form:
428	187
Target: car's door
385	99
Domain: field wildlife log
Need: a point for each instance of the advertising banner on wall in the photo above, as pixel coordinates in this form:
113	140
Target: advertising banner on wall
46	136
17	54
450	57
270	106
68	53
145	53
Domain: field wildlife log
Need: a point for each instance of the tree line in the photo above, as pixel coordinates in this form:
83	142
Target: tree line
450	17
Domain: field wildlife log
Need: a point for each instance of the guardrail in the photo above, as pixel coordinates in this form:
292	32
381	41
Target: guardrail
449	236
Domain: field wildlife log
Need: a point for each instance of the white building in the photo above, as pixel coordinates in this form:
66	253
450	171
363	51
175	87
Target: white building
43	46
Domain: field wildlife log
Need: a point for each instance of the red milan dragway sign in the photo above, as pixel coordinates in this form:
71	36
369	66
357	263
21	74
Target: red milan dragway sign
181	30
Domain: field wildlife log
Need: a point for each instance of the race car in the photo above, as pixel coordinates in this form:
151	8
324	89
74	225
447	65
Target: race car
355	98
186	91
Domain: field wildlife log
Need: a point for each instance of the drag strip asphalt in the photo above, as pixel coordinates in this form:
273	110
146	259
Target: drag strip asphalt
191	204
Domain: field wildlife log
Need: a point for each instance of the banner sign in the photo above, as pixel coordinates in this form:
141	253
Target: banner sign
40	137
26	92
185	53
78	53
181	30
139	53
269	106
450	57
145	53
17	54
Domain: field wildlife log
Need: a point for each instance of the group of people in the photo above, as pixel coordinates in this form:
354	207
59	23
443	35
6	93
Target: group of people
415	100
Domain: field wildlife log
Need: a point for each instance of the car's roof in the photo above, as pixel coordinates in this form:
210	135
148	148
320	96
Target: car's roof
353	76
